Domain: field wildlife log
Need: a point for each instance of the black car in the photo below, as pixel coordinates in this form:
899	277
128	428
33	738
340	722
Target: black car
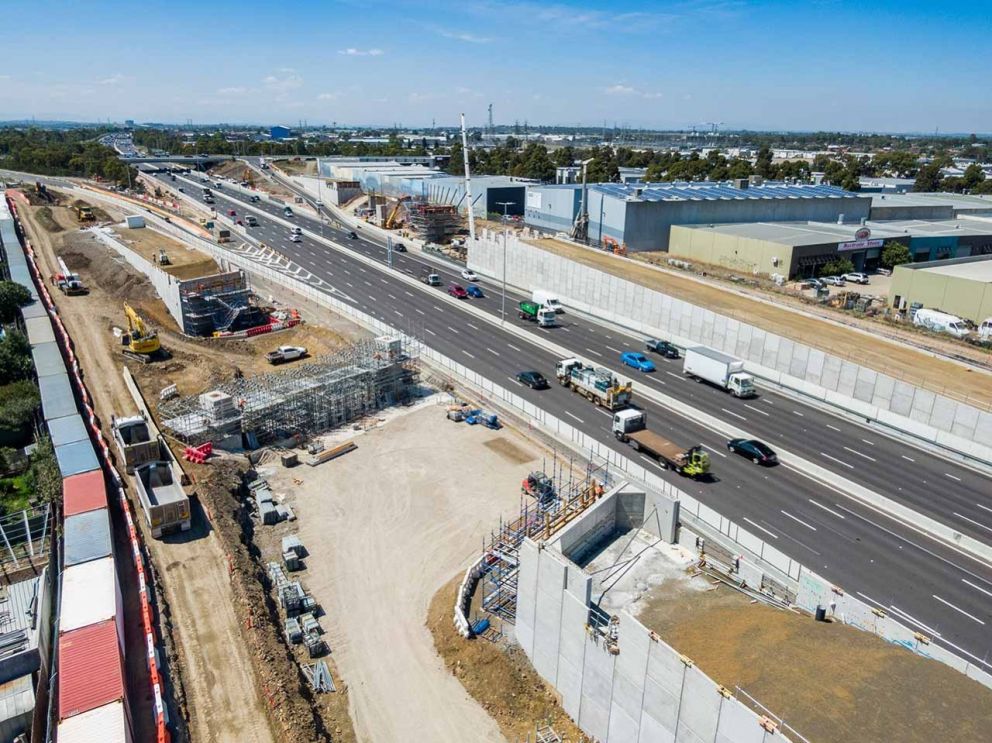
399	248
353	235
666	349
754	450
533	379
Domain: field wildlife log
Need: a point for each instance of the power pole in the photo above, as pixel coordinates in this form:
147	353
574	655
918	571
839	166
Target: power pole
492	129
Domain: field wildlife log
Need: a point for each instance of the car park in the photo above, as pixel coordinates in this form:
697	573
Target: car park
533	379
756	451
856	278
469	275
663	348
474	290
457	291
637	360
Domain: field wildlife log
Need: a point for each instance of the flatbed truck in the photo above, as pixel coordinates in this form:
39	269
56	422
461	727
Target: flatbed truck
630	427
596	384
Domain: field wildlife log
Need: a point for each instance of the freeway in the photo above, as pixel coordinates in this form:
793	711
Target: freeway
933	588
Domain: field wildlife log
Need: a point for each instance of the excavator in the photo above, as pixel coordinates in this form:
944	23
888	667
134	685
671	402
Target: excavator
140	343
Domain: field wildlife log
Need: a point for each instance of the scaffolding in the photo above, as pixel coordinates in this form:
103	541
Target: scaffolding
575	489
218	303
432	222
303	400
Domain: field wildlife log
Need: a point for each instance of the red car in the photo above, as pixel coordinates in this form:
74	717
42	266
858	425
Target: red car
231	213
457	291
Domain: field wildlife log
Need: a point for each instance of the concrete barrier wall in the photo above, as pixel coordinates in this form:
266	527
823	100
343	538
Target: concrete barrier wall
830	379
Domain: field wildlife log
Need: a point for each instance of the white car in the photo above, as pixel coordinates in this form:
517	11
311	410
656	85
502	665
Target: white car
294	237
833	280
469	275
856	278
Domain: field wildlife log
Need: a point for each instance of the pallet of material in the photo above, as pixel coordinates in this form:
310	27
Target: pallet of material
334	452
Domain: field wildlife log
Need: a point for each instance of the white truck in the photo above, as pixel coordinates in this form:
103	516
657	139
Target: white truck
596	384
708	365
285	353
547	299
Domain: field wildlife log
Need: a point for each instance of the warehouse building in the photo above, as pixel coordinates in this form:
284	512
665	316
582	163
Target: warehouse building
640	216
960	286
798	249
929	206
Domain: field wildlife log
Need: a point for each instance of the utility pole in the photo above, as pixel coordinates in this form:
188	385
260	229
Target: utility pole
492	129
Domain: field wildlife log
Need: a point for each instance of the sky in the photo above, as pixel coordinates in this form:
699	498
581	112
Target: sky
874	65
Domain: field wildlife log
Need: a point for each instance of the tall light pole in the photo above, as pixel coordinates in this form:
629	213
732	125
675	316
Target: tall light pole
502	307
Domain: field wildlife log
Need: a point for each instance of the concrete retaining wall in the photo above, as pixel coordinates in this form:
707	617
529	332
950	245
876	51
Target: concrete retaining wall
830	379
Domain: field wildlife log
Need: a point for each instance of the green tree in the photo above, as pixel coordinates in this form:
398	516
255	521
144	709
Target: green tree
837	267
15	357
13	296
18	403
895	254
973	175
43	475
763	163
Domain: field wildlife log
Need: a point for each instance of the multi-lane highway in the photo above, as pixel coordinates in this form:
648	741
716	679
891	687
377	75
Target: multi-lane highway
933	588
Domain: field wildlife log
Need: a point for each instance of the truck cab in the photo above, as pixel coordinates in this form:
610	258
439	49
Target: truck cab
431	279
627	421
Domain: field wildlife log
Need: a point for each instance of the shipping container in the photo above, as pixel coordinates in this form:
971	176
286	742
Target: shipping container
34	309
76	458
87	537
48	359
107	724
39	330
91	670
91	595
85	492
57	400
67	430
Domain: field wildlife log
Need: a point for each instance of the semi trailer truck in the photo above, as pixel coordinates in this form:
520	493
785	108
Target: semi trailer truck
596	384
707	365
630	426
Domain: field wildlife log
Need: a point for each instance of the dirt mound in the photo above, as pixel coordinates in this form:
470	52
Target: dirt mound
75	260
46	220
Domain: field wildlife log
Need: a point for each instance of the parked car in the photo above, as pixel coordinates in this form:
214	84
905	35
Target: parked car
469	275
856	278
533	379
474	290
637	360
811	284
457	291
833	281
663	348
754	450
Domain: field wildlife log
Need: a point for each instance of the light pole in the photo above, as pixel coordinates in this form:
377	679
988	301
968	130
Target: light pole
506	205
502	310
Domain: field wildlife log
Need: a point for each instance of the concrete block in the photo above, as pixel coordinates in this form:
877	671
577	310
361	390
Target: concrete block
578	584
814	365
902	398
700	707
527	595
547	622
630	509
797	365
847	378
966	422
738	724
921	430
943	412
783	358
654	731
830	378
631	664
922	405
597	690
661	516
743	348
663	686
884	385
582	535
864	387
983	428
623	726
570	686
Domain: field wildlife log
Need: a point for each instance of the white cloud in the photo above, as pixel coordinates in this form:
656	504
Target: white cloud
328	97
282	84
352	52
623	89
464	36
233	90
115	79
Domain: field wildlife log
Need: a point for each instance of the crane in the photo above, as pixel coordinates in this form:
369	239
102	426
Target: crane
140	343
580	228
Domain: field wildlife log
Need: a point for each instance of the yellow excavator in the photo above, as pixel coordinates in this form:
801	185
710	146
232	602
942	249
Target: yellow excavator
140	343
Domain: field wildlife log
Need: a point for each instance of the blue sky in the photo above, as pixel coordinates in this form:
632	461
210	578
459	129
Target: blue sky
761	64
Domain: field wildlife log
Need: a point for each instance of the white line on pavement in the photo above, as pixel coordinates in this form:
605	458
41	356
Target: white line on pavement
494	353
798	521
756	410
946	474
368	283
715	451
575	416
828	510
677	376
350	284
957	609
408	293
438	308
510	345
391	297
730	412
773	535
467	354
796	412
514	379
397	312
984	508
474	327
869	598
855	451
908	459
976	523
595	352
608	415
870	443
420	312
452	330
430	331
615	350
977	588
914	620
838	461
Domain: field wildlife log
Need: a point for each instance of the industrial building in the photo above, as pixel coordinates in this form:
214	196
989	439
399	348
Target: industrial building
929	206
280	132
959	286
641	216
798	249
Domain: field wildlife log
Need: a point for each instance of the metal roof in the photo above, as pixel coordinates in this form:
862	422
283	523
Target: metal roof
89	594
76	458
47	359
106	724
85	492
959	202
976	268
16	698
57	400
702	191
21	604
67	430
87	537
91	673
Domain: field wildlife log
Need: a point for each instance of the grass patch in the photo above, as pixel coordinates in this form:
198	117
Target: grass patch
46	220
15	494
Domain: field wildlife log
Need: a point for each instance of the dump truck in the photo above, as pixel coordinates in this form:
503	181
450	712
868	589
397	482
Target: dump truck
135	442
285	353
598	385
163	500
84	213
707	365
543	316
630	427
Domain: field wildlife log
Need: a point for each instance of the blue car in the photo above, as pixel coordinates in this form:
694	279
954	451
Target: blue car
637	360
474	290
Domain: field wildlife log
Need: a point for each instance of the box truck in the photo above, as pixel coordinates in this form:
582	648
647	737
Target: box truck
707	365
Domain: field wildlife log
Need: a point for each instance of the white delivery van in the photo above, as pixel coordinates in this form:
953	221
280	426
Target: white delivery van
941	322
985	329
547	299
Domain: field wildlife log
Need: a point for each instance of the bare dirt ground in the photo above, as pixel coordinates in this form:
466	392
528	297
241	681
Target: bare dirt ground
827	680
186	263
898	360
297	167
386	526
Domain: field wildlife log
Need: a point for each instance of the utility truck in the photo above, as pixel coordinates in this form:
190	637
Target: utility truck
630	426
68	281
707	365
543	316
598	385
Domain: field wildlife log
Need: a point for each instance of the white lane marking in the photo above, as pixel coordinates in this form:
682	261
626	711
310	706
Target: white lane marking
510	345
430	331
350	284
796	412
984	508
397	312
494	353
474	327
855	451
976	523
798	521
908	459
870	443
730	412
566	330
347	272
438	308
420	312
759	526
710	448
838	461
391	296
514	379
384	281
575	416
615	350
452	330
869	598
595	352
970	655
977	588
467	354
368	283
947	474
677	376
408	293
608	415
828	510
957	609
362	269
756	410
914	620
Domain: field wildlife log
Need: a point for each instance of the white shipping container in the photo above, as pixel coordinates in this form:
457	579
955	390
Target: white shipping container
90	594
135	221
107	724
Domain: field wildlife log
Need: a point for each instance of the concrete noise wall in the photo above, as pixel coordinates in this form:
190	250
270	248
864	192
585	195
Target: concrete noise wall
645	693
814	373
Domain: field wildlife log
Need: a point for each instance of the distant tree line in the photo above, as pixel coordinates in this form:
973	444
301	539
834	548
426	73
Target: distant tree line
75	152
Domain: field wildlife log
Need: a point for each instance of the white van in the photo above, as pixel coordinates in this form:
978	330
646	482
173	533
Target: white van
985	329
941	322
547	299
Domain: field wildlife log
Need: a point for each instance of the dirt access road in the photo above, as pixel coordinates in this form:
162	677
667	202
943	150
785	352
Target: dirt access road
223	699
386	526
